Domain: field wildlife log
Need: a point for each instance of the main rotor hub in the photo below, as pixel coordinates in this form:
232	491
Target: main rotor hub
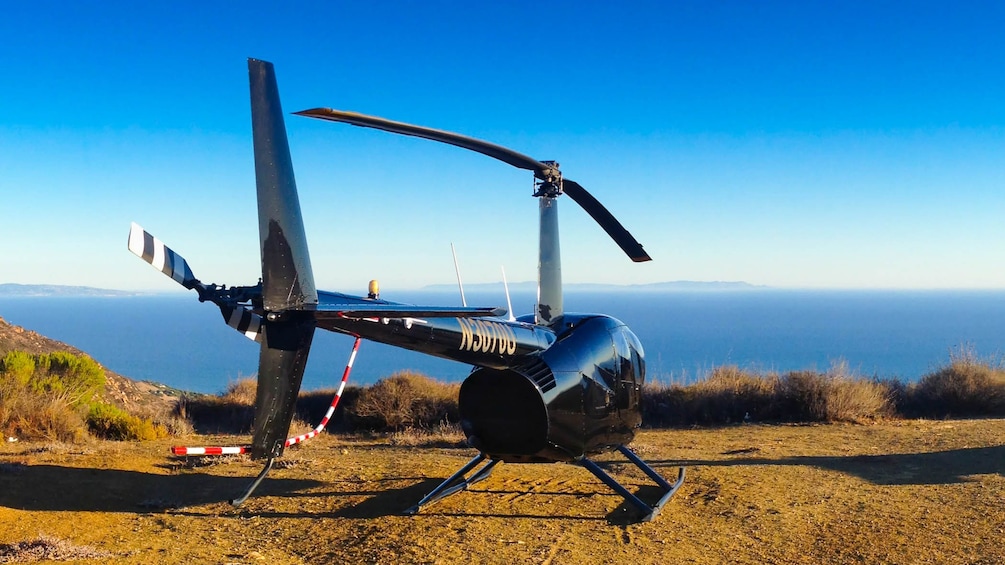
548	181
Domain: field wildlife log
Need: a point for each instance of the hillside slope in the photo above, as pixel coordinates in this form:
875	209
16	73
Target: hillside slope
139	397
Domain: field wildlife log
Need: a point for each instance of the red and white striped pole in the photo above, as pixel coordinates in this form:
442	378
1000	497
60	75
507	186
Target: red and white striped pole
239	449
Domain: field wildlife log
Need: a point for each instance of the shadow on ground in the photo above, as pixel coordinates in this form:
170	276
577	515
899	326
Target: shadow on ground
933	468
53	487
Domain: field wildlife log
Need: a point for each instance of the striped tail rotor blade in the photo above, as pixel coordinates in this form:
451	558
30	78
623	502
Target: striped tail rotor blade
243	320
160	256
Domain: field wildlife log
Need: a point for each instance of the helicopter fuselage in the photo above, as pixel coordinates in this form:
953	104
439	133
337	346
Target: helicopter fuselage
535	393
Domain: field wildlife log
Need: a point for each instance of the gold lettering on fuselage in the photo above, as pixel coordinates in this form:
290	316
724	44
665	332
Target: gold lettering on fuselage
483	336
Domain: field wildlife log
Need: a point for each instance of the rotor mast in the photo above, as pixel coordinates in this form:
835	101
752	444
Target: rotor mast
547	189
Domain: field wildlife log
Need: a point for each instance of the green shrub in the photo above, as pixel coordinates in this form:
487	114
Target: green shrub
110	422
43	396
18	366
79	376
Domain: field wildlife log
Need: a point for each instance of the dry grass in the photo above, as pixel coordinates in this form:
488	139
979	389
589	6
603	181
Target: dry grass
897	492
441	435
47	548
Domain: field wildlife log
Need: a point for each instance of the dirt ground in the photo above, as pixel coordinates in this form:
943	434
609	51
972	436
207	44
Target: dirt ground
897	492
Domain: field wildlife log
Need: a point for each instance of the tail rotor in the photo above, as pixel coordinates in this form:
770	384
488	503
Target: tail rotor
230	300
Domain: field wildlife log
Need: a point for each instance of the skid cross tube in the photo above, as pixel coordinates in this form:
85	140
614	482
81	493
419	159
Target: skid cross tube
456	482
649	511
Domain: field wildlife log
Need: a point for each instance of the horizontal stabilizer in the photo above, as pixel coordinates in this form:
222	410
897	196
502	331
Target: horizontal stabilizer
403	311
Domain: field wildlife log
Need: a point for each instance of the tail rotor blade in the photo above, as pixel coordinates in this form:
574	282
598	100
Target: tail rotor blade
611	225
160	256
281	364
243	320
165	260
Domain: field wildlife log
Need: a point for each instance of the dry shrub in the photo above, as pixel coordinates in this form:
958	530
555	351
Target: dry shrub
732	395
726	395
242	392
968	387
213	415
857	400
232	412
835	396
313	405
803	396
175	424
405	400
46	417
663	405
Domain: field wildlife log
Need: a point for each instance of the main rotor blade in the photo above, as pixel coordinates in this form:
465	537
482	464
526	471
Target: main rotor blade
287	278
285	347
611	225
519	160
542	170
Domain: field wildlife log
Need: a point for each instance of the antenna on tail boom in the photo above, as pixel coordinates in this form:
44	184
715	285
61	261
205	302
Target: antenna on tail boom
457	269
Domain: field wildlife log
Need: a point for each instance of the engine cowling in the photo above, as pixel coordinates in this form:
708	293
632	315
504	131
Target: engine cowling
582	395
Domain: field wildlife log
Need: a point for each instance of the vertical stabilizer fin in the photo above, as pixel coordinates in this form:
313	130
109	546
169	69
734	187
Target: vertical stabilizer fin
287	278
288	292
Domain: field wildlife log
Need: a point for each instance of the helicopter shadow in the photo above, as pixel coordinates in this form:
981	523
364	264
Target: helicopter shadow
58	488
929	468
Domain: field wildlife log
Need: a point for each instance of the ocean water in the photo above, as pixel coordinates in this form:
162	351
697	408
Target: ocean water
175	340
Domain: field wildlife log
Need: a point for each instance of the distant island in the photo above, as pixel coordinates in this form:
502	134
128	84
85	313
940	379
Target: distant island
13	289
600	287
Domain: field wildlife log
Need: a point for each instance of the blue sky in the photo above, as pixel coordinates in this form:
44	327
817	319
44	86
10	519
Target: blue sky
803	144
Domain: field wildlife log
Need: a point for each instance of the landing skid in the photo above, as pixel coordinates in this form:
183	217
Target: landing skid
649	511
458	482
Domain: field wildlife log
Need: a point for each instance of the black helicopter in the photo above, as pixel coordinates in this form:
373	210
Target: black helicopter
551	386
